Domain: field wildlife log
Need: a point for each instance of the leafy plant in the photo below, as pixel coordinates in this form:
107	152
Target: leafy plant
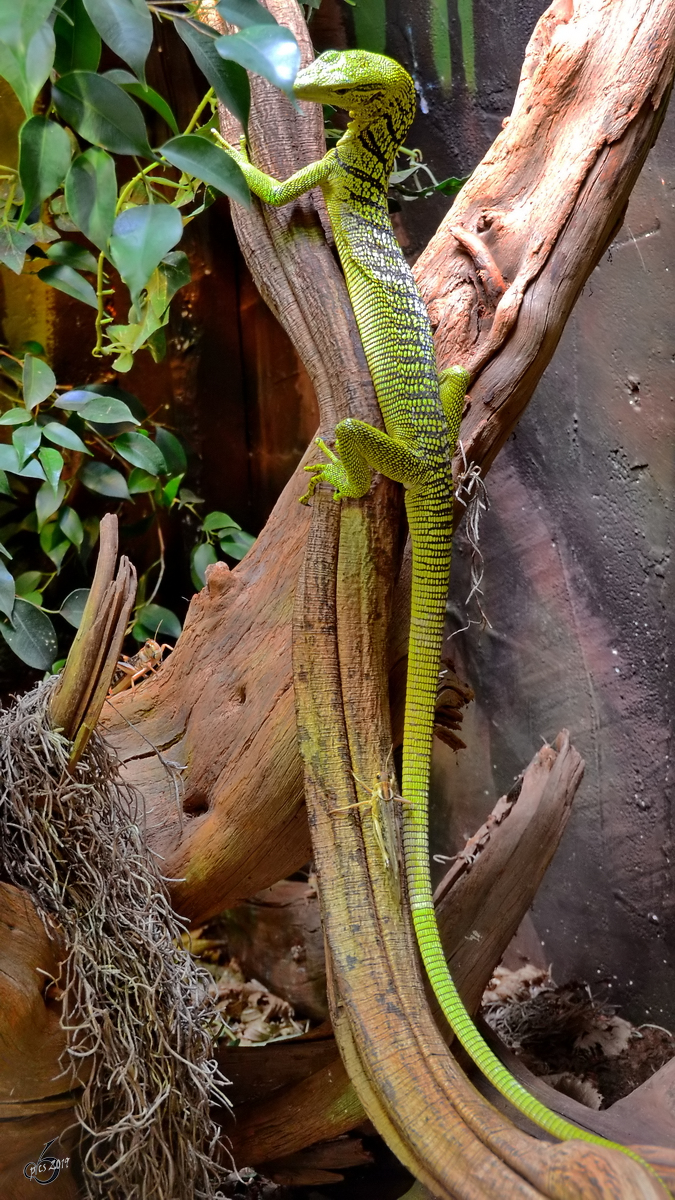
66	180
66	452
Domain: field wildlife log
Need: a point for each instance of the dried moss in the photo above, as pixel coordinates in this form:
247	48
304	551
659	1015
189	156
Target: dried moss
133	999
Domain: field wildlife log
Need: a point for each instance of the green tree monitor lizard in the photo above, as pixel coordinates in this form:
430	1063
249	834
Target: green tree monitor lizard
421	411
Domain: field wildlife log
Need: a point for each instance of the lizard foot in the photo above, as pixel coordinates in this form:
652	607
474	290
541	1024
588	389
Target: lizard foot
331	472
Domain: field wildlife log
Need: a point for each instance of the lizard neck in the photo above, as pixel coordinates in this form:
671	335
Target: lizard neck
374	134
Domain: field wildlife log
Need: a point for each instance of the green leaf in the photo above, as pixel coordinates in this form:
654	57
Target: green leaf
157	622
195	156
5	489
39	381
26	440
33	638
72	254
42	233
13	246
147	94
65	279
236	543
91	195
228	80
268	50
48	501
73	606
78	45
72	526
27	582
20	20
170	491
61	435
7	591
125	26
172	449
141	481
245	12
141	237
15	416
26	71
141	452
44	158
98	477
104	410
172	273
52	463
219	520
202	557
9	461
54	544
101	113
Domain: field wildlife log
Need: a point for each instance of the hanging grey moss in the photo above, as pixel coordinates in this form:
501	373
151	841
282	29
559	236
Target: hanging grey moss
134	1001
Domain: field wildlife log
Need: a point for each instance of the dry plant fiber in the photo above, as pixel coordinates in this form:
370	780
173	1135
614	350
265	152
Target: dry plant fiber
134	1002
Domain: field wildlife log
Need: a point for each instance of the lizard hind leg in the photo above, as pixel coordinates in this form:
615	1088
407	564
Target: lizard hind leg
452	384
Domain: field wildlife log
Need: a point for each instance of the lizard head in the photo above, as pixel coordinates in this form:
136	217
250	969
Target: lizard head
365	84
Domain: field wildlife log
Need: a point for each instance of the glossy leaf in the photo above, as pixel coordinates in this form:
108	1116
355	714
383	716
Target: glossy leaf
140	239
39	381
172	449
74	400
32	637
5	489
9	461
245	12
48	501
219	520
73	606
101	113
20	20
78	45
15	416
26	71
125	26
66	279
91	195
141	481
236	543
72	526
158	622
13	246
228	80
170	490
7	590
61	435
26	440
52	465
105	480
202	557
172	273
196	156
104	410
72	254
268	50
141	452
54	544
27	582
147	94
44	158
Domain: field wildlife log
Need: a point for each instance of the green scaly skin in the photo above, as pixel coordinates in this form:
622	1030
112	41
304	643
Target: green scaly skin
421	413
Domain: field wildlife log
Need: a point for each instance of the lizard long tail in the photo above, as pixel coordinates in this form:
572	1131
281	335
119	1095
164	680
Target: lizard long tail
431	534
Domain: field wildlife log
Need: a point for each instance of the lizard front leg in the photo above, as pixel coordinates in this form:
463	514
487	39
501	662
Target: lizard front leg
361	449
271	190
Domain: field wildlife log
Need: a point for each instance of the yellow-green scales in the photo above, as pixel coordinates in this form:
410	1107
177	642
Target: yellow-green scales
421	412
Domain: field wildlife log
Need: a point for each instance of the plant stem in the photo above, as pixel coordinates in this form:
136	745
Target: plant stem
199	110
